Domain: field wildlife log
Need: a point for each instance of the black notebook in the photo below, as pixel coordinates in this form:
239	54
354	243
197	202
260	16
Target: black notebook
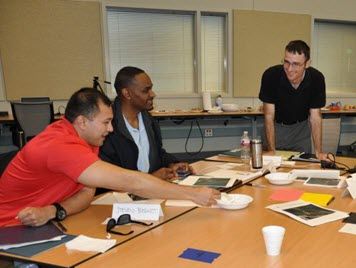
306	157
23	234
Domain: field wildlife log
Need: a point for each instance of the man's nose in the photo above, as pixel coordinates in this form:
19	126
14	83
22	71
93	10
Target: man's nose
110	128
152	94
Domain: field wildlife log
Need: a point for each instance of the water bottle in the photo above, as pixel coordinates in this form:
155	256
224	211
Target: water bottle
245	146
256	153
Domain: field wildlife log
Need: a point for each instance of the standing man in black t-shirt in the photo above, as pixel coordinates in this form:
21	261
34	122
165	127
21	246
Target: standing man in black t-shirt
292	93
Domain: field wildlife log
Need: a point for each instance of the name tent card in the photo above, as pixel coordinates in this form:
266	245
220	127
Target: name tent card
138	211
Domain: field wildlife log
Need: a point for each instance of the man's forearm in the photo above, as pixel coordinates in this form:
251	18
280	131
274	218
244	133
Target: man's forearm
270	134
316	130
112	177
78	202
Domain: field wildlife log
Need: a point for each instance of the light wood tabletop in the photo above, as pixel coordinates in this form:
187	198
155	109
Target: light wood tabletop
236	235
89	223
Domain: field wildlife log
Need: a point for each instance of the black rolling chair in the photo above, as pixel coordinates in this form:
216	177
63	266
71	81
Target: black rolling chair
5	159
31	118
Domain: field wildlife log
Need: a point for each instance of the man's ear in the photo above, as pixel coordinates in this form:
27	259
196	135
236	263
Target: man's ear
126	93
308	63
81	121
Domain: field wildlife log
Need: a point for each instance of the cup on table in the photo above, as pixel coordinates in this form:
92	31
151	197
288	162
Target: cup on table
273	236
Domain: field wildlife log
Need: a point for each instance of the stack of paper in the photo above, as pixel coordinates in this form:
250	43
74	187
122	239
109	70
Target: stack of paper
85	243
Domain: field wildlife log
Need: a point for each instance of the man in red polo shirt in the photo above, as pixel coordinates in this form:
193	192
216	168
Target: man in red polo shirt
56	173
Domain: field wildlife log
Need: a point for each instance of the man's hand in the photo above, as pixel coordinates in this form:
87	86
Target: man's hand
269	153
36	216
205	196
321	156
164	173
182	166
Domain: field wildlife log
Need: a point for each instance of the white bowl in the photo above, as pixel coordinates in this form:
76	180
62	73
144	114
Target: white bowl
230	107
234	201
280	178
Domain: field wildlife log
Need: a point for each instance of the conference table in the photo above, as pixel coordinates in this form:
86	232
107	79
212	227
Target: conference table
235	234
90	223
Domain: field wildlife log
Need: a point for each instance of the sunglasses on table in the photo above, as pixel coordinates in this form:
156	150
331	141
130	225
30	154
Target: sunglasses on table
122	220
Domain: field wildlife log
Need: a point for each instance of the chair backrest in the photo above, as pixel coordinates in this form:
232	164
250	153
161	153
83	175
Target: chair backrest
32	117
5	159
34	99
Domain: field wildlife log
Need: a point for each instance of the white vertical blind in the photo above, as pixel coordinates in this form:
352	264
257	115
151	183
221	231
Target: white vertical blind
334	50
2	85
161	44
213	38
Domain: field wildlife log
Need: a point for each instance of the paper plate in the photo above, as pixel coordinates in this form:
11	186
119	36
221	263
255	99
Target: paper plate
234	201
280	178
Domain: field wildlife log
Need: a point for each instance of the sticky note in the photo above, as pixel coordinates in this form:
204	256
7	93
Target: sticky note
199	255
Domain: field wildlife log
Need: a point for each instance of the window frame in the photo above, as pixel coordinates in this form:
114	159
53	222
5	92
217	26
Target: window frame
196	47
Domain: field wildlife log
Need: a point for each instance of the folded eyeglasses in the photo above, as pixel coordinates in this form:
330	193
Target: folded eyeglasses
122	220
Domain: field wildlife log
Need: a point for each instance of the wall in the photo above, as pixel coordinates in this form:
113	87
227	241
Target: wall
321	9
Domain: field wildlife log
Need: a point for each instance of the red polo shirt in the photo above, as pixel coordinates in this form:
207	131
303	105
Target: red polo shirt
45	171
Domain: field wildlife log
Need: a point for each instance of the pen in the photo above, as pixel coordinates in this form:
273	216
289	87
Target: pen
61	226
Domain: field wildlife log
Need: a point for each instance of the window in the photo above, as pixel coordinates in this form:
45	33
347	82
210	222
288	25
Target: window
213	38
163	43
334	54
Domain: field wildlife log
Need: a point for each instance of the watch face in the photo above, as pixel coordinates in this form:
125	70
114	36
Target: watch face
61	214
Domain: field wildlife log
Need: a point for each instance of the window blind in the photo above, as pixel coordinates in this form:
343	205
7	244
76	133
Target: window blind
334	54
213	36
160	44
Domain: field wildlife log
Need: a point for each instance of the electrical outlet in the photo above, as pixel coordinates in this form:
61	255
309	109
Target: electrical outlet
208	132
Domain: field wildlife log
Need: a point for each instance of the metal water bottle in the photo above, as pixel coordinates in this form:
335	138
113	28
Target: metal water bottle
256	153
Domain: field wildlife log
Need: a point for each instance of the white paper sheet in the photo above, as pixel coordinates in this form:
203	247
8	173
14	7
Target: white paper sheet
85	243
184	203
348	228
111	198
221	173
57	238
303	212
230	165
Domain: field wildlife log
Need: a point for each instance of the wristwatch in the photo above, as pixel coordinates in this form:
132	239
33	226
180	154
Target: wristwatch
61	213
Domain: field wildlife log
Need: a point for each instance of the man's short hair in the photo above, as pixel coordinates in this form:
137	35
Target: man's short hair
85	102
300	47
125	77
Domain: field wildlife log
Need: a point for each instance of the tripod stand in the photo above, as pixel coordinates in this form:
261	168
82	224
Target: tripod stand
97	86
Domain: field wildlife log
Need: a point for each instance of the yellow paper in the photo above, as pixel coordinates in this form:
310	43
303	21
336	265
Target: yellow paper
286	154
319	199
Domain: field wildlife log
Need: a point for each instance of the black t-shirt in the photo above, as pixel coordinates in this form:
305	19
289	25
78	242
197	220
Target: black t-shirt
292	105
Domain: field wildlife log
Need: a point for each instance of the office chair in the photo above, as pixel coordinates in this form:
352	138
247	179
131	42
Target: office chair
5	159
34	99
31	118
